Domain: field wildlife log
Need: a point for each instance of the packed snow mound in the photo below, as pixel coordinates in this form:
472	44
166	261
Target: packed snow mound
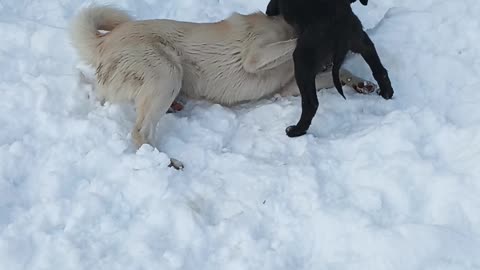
375	184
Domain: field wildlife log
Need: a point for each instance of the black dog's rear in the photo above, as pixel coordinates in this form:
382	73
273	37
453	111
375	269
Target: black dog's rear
327	30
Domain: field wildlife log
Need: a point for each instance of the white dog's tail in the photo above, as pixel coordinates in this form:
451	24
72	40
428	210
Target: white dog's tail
86	25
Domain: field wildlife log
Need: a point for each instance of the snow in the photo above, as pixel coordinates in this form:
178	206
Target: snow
374	185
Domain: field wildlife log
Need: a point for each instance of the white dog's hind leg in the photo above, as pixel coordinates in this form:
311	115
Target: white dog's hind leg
323	80
153	100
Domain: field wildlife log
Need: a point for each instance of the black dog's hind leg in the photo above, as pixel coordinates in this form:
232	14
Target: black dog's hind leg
364	45
273	8
312	48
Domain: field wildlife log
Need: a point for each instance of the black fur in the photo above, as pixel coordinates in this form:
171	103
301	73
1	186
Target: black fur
364	2
327	30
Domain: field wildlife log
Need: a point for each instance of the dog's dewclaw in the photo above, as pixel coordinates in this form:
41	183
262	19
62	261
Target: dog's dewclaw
177	106
178	165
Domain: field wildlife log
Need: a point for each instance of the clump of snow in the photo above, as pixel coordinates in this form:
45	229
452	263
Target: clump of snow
374	185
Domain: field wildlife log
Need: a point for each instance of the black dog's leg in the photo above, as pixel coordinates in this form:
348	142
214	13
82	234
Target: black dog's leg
312	48
305	76
273	8
366	48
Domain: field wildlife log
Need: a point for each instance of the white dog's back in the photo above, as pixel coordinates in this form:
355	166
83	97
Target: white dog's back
211	55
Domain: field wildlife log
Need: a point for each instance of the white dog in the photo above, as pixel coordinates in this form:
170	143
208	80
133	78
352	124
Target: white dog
151	62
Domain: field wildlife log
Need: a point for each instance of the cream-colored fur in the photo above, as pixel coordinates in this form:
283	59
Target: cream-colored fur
151	62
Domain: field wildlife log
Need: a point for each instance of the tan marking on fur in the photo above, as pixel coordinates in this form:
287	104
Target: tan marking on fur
255	18
222	27
253	61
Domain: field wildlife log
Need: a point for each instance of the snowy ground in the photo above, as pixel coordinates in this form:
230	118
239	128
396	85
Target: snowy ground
374	185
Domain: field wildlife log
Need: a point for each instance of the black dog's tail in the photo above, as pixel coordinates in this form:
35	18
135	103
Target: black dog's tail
339	55
336	80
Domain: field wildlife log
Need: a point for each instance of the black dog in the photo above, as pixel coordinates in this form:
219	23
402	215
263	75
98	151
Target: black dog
327	30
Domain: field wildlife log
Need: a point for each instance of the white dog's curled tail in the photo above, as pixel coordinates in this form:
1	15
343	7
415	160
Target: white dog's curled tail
86	25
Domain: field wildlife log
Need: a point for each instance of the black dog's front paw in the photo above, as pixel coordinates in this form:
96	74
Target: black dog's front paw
386	93
386	89
295	131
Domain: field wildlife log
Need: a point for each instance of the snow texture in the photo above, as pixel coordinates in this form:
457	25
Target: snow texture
375	184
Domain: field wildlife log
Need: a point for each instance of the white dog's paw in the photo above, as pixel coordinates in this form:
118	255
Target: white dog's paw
175	107
365	87
361	86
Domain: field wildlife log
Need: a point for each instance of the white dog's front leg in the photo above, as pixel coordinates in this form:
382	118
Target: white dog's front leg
324	80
